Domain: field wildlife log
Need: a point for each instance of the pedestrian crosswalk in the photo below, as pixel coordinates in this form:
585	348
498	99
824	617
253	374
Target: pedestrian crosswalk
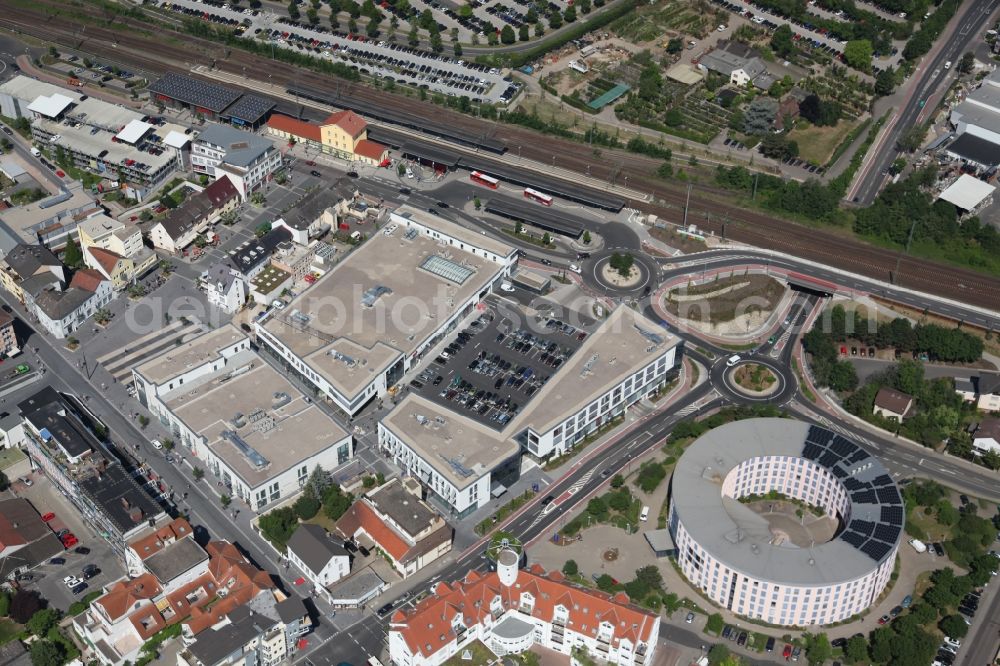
690	409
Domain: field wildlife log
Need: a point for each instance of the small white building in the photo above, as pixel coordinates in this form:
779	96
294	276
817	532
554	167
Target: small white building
61	312
322	560
224	287
983	390
968	194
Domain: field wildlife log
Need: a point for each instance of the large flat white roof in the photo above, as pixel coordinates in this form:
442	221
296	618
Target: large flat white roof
50	106
967	192
176	139
133	131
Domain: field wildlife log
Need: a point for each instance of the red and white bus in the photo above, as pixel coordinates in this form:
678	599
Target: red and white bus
543	199
483	179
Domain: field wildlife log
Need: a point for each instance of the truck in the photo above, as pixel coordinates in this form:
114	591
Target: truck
918	545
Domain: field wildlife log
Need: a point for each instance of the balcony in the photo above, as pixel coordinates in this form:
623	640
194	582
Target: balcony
525	609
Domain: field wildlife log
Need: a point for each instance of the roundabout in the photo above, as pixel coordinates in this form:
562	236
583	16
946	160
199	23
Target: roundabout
602	273
753	380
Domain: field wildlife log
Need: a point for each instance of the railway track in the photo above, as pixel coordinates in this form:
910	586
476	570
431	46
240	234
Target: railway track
178	52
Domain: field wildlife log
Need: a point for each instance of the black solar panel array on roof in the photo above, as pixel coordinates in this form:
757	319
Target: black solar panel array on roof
250	109
853	538
853	484
856	457
876	549
821	436
829	459
892	515
865	527
812	451
888	495
866	496
195	92
842	447
887	533
839	472
882	480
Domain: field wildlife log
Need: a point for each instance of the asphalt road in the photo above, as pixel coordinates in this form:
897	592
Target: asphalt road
980	645
932	75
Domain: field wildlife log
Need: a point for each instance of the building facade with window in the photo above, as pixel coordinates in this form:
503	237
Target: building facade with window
510	610
248	160
742	562
250	427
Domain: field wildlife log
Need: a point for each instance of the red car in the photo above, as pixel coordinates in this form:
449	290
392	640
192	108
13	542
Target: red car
69	540
884	619
48	517
61	173
787	653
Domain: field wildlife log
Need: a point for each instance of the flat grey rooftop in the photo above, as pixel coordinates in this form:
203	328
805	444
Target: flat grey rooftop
405	509
248	402
349	342
734	534
175	559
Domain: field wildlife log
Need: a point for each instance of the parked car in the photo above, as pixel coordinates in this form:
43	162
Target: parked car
690	618
769	646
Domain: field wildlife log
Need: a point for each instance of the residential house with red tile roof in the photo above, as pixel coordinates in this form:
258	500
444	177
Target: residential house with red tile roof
395	519
511	609
62	311
180	226
343	134
200	592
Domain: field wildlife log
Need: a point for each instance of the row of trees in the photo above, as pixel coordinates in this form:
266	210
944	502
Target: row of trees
938	342
320	492
827	367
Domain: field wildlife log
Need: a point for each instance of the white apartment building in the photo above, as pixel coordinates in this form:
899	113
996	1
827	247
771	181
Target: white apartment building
225	287
321	560
510	610
251	428
247	159
729	551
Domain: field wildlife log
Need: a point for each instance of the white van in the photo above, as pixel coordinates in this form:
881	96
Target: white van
733	360
356	236
645	514
35	152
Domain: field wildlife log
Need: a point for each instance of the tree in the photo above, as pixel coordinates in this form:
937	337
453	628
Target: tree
585	6
507	35
23	605
782	42
306	507
72	255
912	138
778	146
967	62
820	112
47	653
198	473
759	116
414	37
555	20
885	82
714	624
546	239
293	10
570	568
617	481
372	28
818	649
570	14
856	649
675	45
953	626
42	621
225	500
336	502
523	32
718	654
858	54
605	582
277	526
586	238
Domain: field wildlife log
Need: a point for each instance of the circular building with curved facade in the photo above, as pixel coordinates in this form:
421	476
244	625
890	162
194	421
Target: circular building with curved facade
785	522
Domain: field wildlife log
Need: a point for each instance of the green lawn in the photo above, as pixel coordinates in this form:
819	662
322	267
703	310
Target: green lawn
816	144
9	630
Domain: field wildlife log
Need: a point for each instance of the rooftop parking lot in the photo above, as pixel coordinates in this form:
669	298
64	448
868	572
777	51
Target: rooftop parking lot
401	64
494	366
